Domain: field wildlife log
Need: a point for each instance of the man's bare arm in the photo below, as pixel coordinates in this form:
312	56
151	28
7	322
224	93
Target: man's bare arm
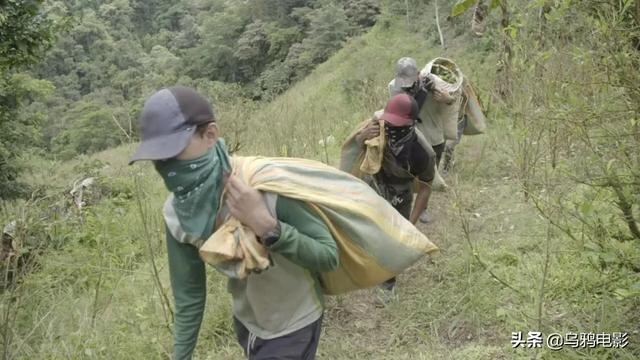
422	199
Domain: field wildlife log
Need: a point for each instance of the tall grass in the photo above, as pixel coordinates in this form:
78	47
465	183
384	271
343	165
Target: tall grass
100	288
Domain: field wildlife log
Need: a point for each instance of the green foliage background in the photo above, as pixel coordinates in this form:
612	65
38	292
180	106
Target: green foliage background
536	232
109	55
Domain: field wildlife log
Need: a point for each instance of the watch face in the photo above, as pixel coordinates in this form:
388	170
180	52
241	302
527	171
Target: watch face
272	236
268	241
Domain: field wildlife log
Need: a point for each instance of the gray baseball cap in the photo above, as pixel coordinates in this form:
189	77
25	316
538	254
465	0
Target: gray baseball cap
406	72
168	120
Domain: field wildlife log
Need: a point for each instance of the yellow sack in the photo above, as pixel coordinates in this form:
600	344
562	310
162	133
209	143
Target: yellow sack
234	243
374	152
374	241
353	154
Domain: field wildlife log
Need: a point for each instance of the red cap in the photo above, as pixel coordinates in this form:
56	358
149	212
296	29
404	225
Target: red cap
401	110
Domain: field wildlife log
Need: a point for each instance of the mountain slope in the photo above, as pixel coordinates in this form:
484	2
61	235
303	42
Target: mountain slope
95	293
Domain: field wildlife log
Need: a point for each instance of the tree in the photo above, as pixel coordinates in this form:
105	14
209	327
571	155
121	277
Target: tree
89	127
361	13
275	80
119	51
250	50
213	58
328	28
280	40
160	68
504	69
118	14
25	34
189	35
171	18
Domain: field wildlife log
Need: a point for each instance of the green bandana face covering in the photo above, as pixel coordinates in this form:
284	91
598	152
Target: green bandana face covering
196	185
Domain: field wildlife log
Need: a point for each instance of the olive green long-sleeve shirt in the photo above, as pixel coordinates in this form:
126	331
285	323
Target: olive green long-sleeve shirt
278	301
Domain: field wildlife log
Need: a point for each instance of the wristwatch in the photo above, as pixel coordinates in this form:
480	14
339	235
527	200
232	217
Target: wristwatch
272	236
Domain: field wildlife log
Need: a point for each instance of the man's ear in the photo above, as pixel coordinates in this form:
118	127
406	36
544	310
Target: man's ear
211	134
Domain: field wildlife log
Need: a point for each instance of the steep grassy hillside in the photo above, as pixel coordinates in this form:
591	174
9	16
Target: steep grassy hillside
349	87
100	289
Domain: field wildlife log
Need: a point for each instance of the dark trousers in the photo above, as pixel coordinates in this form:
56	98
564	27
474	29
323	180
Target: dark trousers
438	149
402	202
298	345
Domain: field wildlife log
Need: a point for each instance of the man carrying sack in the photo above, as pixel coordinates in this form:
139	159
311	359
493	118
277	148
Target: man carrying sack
277	313
408	80
284	231
405	158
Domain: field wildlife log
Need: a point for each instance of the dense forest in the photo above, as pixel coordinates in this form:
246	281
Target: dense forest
538	230
109	55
